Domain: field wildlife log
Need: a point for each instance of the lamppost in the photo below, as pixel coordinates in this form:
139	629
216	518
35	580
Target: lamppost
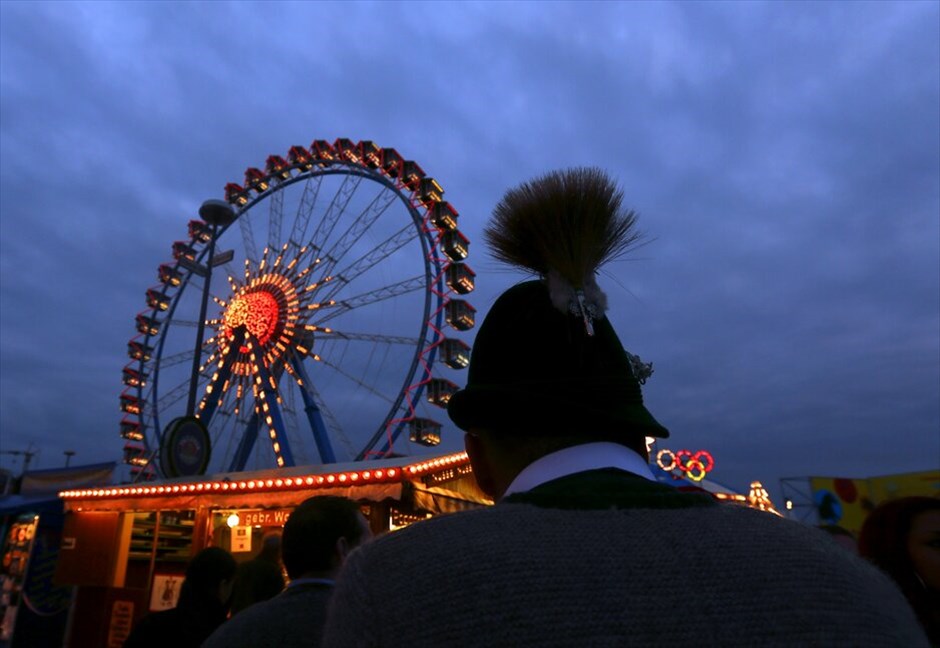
216	213
185	446
68	456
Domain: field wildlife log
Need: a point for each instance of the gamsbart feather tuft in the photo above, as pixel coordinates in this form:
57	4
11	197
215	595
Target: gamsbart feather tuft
564	225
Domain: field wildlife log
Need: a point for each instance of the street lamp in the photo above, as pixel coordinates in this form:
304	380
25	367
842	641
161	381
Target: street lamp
217	213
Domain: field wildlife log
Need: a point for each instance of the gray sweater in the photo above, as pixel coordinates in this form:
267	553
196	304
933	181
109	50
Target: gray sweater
605	558
292	618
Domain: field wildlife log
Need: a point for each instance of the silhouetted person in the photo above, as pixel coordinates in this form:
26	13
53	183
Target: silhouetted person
202	605
902	537
583	547
317	537
261	577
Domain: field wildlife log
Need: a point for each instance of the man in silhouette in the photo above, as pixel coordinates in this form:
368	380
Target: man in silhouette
317	537
583	547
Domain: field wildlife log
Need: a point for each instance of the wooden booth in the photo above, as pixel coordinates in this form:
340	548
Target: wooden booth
126	547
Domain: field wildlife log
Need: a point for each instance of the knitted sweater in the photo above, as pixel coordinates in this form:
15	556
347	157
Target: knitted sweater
605	558
292	618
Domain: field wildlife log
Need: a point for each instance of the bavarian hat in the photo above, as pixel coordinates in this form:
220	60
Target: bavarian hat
546	359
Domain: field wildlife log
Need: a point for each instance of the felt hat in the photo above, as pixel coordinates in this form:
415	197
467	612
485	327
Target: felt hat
546	359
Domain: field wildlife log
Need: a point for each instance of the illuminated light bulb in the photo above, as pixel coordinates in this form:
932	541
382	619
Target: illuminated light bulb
330	479
280	461
232	520
319	480
378	474
224	487
391	472
288	482
269	483
354	476
309	481
242	484
343	478
216	486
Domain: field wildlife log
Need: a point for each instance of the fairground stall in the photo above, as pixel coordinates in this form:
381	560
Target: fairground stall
125	548
33	609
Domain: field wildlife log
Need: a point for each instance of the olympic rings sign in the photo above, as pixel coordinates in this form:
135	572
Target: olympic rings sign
693	465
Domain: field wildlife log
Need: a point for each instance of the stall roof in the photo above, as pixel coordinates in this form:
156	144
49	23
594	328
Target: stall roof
396	470
51	480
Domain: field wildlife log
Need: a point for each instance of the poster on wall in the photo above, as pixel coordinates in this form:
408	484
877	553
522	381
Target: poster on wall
165	592
241	539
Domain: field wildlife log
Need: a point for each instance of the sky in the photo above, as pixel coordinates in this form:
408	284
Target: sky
784	160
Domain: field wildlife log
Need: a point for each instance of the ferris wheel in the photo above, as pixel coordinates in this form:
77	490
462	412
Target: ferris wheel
310	317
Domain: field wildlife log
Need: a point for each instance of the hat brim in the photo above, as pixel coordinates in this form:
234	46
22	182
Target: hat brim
530	412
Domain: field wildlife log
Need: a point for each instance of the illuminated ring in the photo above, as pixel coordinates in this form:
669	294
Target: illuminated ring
695	464
682	459
672	460
337	296
709	461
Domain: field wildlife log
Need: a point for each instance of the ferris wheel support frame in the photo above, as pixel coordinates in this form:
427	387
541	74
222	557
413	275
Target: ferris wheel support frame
320	436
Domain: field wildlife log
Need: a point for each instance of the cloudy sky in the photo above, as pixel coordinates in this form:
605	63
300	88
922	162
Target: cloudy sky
784	160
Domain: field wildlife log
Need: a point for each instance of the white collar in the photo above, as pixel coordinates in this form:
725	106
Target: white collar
575	459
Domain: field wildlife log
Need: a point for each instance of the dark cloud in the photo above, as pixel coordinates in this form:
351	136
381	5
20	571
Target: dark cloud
784	160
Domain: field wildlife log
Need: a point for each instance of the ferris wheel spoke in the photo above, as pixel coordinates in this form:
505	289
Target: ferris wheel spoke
223	421
230	272
179	322
366	218
308	202
275	216
323	337
336	209
369	388
176	393
373	296
178	358
381	252
248	238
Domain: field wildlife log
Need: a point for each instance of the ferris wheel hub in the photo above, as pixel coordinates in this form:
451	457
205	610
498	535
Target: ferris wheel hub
258	311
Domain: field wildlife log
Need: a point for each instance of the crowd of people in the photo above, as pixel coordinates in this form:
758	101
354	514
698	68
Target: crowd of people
583	546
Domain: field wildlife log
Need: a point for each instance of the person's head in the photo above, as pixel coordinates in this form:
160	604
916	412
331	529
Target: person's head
320	533
547	369
902	537
210	575
271	547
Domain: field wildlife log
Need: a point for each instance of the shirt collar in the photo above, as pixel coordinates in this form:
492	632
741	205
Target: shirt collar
579	458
